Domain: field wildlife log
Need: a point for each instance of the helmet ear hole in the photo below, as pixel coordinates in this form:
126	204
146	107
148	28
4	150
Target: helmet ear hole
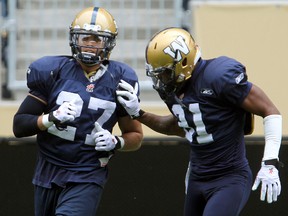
184	62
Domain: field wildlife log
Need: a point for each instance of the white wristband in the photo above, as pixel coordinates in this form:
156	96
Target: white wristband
122	142
273	136
46	122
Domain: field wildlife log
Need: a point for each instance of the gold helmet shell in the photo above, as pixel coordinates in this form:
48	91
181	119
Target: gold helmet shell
98	22
175	49
95	19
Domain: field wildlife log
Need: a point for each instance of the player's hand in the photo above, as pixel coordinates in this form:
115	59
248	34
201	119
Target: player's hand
66	112
127	97
104	140
268	176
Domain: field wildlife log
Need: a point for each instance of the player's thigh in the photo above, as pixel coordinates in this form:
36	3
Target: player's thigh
45	200
230	198
79	200
194	199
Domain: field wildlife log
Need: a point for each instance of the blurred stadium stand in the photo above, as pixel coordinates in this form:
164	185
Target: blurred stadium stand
41	27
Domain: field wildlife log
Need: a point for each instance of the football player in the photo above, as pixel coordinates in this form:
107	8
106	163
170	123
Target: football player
209	102
72	107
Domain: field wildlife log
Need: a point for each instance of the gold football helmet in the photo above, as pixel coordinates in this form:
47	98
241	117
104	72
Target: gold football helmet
93	35
171	56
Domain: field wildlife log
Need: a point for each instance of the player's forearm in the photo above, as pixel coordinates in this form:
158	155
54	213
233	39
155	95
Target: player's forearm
26	122
273	136
132	141
162	124
25	125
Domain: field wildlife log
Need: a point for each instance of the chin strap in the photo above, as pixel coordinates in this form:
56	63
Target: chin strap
197	55
89	59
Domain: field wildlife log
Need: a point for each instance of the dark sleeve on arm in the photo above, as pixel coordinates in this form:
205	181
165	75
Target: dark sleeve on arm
25	120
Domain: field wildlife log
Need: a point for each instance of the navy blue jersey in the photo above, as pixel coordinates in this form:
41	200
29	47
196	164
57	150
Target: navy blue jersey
57	79
211	115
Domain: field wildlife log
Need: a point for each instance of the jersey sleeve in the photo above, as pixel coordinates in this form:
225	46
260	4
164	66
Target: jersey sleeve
40	78
129	75
236	86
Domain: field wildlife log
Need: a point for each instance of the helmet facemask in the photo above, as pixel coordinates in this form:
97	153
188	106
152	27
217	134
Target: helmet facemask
91	47
164	80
